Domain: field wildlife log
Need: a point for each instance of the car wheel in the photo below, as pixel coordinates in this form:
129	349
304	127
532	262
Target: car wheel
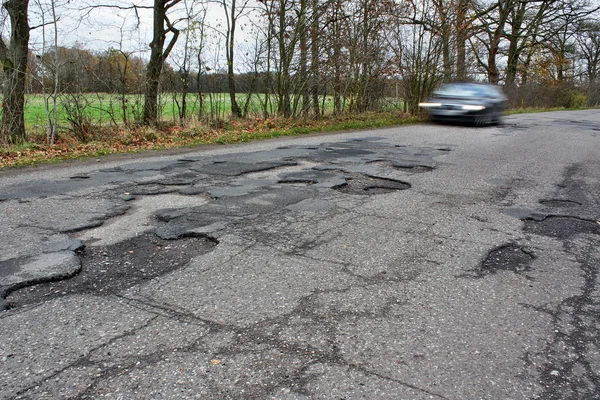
497	120
484	119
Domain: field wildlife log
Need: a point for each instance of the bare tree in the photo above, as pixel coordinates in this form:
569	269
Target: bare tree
233	11
183	60
14	60
589	48
488	35
418	51
158	55
50	62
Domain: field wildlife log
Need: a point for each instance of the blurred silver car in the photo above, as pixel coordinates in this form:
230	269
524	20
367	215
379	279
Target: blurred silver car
479	103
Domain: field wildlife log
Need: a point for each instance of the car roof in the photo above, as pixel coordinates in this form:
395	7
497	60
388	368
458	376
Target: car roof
468	89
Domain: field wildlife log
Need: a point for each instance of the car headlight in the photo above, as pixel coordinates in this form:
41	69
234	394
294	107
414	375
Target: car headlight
429	105
473	108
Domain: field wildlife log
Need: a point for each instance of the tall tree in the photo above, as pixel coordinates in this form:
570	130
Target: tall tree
589	49
14	61
158	55
233	10
315	52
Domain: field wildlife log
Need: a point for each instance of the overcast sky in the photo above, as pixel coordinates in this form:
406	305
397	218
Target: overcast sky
101	28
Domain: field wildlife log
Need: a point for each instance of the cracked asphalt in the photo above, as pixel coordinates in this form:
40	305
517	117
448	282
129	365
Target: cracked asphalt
419	262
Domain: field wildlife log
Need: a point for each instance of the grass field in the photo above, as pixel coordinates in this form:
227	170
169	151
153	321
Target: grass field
103	108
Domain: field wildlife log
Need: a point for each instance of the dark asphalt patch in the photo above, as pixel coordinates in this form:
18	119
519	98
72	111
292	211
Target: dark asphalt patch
562	227
111	269
370	185
233	168
560	203
413	167
508	257
568	370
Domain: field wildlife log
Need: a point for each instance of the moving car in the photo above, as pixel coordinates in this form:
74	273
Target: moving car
479	103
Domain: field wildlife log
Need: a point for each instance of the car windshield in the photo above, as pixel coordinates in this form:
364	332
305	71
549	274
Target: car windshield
461	90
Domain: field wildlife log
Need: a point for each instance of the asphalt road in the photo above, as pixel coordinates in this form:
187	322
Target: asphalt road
420	262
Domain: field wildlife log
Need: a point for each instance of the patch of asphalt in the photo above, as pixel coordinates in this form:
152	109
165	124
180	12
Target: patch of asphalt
569	363
137	220
508	257
144	189
18	273
56	336
234	168
109	269
560	203
23	242
282	283
370	185
562	226
62	214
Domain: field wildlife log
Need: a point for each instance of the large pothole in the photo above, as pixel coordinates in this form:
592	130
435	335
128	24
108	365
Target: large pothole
560	203
370	185
562	227
508	257
111	269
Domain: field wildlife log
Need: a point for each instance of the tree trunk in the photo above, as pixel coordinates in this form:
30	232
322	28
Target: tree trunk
158	54
512	62
496	37
304	84
337	103
461	40
236	111
14	59
314	64
155	64
284	107
444	32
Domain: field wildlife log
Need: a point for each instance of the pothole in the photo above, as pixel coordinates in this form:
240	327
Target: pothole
138	219
370	185
111	269
508	257
405	165
415	168
562	227
560	203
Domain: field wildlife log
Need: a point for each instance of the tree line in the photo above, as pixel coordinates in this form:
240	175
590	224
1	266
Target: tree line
297	53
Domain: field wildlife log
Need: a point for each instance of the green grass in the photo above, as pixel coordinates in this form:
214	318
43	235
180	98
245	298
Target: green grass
104	108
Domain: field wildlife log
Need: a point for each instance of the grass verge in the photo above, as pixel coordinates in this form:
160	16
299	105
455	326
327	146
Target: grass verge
103	141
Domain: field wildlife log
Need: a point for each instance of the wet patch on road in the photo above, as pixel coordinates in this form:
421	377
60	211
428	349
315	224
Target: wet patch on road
111	269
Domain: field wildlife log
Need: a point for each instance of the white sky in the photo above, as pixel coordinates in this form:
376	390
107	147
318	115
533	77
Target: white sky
103	28
96	29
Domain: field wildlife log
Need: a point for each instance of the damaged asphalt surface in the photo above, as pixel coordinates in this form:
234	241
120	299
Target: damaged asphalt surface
419	262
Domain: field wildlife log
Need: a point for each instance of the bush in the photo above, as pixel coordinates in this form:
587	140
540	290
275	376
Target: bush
555	95
575	99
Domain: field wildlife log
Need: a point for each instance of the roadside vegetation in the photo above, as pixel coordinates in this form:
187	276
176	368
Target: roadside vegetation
105	139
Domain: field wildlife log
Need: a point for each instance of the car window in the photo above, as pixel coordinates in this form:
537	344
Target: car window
463	90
